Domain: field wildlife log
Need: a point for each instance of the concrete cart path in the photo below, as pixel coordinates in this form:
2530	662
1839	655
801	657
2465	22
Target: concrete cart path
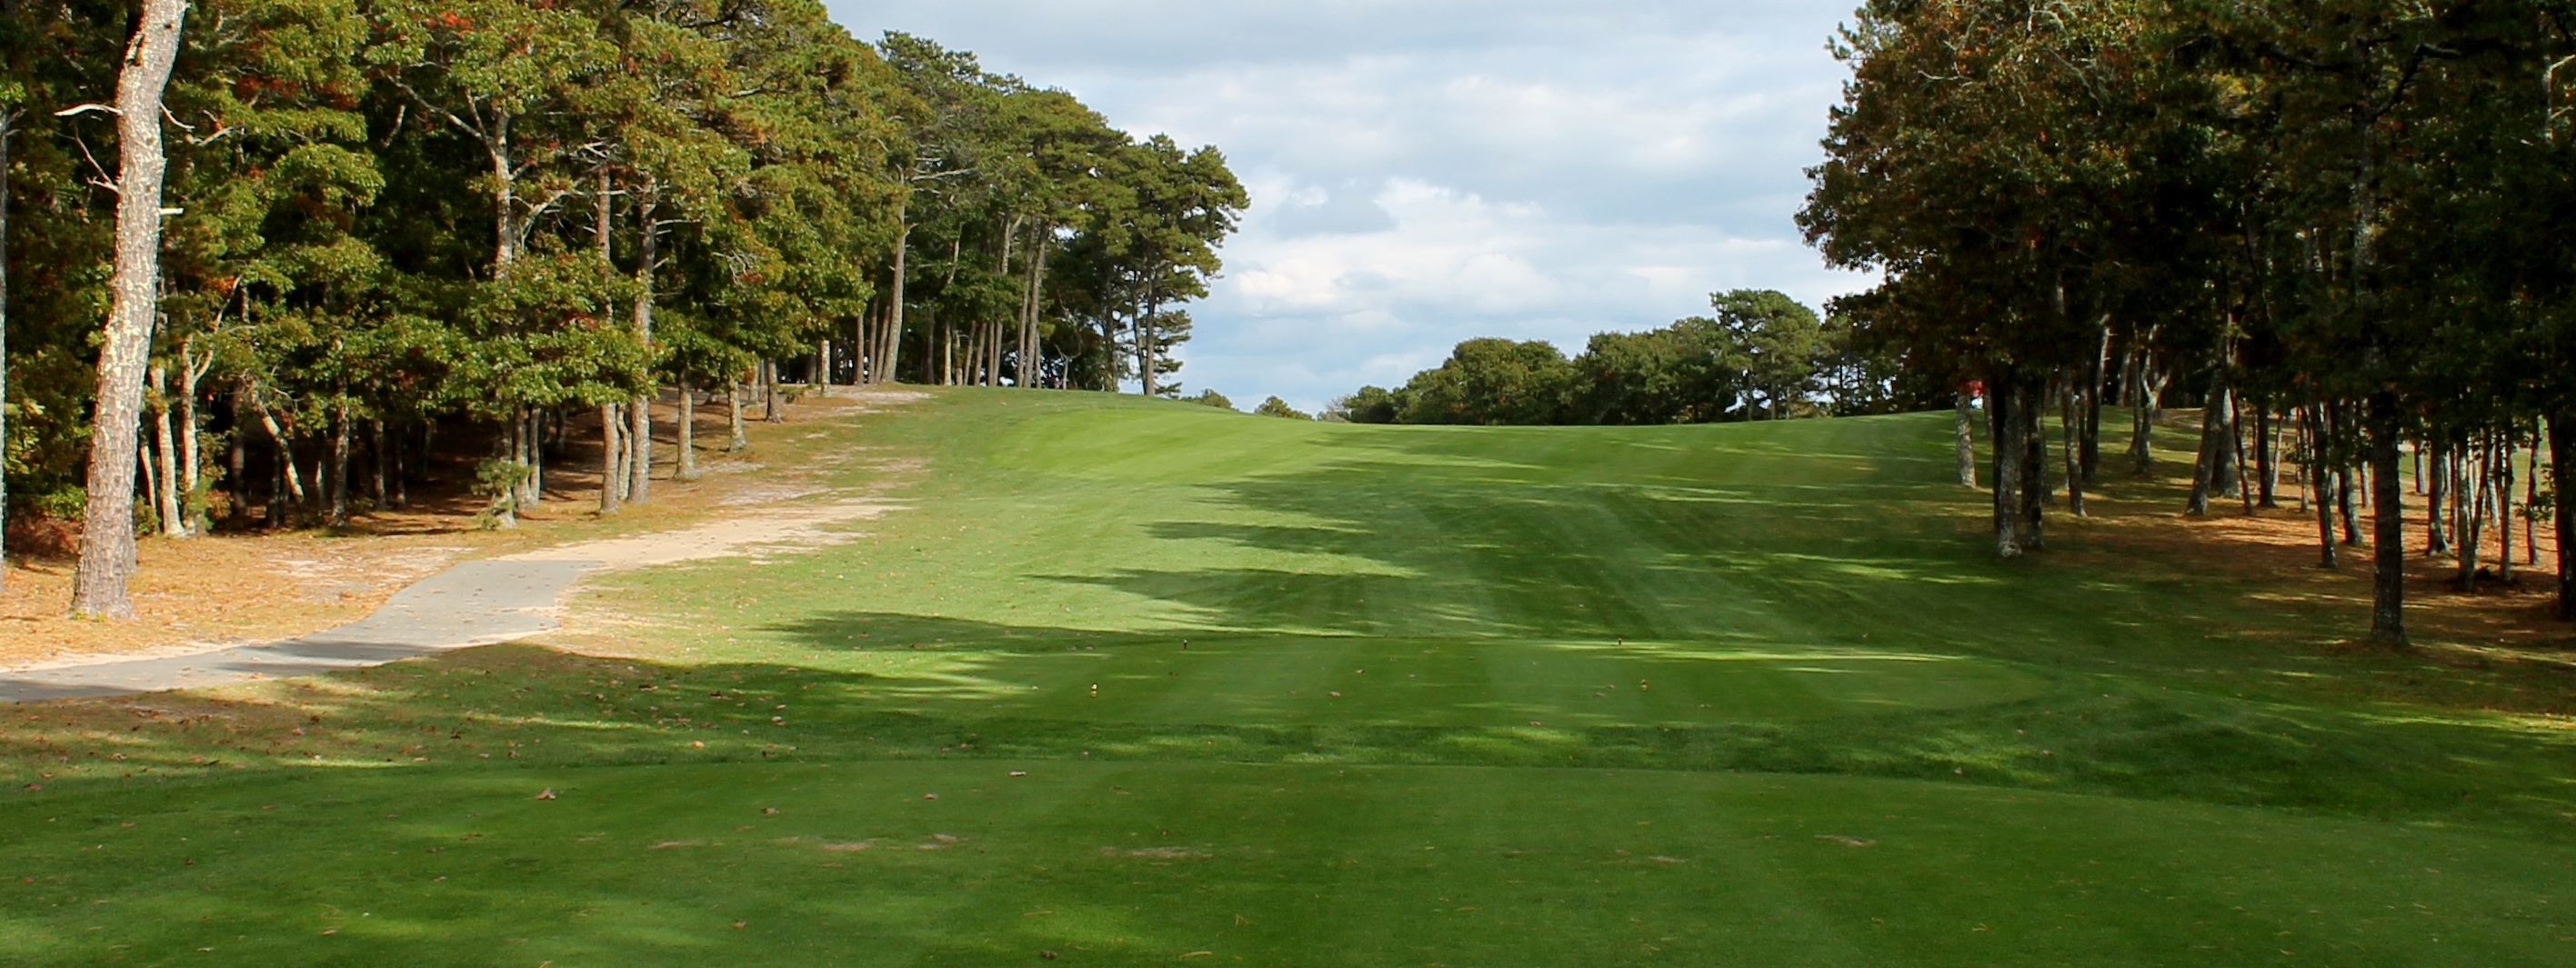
471	603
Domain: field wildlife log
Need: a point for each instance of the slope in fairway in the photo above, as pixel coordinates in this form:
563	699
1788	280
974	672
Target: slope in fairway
1286	693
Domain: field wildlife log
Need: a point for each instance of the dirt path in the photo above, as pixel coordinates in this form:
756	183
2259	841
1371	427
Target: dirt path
476	602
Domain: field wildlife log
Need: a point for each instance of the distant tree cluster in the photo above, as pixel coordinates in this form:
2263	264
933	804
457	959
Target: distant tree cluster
1761	356
266	251
2345	222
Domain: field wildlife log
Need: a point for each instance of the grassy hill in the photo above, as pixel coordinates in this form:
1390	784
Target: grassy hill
1137	682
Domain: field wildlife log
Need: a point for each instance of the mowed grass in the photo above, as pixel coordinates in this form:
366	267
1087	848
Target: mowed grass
1146	683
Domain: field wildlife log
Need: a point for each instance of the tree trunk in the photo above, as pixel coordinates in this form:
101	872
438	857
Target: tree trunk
2500	479
687	467
107	522
2205	479
384	463
8	131
891	351
2437	539
2267	435
533	446
2091	401
639	450
340	464
771	407
639	415
1963	438
285	449
2034	462
237	460
612	464
2388	513
2321	480
165	487
2472	503
733	413
2070	427
192	370
2562	477
2142	420
1029	367
2531	499
2003	429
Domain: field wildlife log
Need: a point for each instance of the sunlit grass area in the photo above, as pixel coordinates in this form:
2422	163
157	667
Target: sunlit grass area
1137	682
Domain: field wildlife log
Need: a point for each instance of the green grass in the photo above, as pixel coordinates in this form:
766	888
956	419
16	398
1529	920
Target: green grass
1295	694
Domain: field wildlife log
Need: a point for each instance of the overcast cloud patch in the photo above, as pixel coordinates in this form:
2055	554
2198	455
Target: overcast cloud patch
1427	172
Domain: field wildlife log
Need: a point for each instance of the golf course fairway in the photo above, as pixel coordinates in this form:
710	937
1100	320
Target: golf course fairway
1135	682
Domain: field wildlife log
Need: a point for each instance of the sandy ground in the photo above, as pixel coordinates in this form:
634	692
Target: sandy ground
210	592
2274	552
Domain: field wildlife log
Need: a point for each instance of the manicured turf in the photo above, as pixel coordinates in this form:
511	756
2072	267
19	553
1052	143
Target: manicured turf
1298	694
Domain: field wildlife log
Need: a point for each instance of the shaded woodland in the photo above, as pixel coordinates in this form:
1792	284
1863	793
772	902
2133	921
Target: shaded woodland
263	257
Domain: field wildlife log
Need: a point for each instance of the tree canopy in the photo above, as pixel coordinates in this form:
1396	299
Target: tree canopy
382	216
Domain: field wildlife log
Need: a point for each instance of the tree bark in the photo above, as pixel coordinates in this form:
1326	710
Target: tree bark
237	460
2562	477
2266	445
2091	401
2070	426
340	464
107	522
192	370
687	466
2472	504
1029	368
2142	419
770	406
166	493
2034	461
2320	480
2205	468
733	412
2388	518
1963	438
612	466
8	131
383	461
2003	428
890	353
2437	539
639	415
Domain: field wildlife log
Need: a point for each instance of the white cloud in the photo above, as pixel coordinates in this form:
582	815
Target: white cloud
1425	172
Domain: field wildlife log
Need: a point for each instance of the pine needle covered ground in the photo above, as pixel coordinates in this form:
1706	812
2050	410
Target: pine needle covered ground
1137	683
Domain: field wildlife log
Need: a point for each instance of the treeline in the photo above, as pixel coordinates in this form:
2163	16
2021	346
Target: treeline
2346	218
265	251
1761	356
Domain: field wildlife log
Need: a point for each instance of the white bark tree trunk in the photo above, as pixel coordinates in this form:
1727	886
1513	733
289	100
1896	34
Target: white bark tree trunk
107	522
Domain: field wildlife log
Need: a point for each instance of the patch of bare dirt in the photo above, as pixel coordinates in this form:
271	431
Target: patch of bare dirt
2276	550
235	587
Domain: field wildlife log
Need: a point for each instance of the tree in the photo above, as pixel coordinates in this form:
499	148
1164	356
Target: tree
107	524
1275	407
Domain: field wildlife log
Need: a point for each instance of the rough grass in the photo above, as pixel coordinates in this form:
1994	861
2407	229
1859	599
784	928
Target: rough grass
1375	696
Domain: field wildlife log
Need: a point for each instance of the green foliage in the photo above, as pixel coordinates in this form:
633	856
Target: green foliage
1763	356
1376	405
1213	399
1491	381
1275	407
414	212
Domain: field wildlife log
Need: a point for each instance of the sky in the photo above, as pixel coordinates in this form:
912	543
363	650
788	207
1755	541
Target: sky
1428	171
